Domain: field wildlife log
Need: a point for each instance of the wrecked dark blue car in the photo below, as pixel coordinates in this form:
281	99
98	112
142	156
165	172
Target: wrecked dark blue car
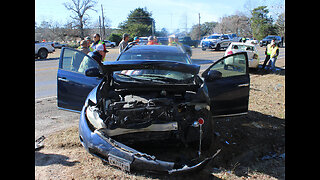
149	94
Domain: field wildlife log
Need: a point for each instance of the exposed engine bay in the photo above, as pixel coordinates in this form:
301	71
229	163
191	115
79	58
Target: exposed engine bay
158	115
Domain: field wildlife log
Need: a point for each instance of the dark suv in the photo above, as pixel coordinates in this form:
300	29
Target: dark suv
267	40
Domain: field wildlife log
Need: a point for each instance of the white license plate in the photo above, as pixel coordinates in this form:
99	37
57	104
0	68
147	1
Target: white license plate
121	163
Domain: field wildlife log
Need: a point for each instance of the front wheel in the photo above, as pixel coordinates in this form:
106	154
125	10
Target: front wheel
43	53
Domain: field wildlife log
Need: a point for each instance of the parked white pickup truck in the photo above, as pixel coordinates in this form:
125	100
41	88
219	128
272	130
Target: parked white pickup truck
42	49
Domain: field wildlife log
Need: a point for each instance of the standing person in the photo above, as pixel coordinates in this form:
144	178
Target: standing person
176	40
171	42
84	47
96	41
156	40
88	39
272	51
151	41
124	42
136	40
98	55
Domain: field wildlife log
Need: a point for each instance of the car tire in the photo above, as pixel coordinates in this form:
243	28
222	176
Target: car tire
43	53
112	46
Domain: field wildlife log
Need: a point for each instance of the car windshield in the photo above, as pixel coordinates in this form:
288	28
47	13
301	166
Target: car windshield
178	57
243	47
213	37
154	76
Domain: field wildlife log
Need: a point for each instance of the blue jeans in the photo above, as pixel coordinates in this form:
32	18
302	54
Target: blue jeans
272	63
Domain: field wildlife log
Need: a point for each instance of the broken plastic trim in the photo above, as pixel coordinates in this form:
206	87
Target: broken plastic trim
195	167
142	161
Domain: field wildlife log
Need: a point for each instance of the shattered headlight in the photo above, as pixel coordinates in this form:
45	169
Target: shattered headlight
94	118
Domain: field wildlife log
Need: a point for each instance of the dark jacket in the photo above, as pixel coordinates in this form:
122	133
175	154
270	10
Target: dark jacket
96	56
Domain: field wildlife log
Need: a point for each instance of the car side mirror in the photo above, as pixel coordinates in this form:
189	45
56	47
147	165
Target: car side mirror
93	72
213	75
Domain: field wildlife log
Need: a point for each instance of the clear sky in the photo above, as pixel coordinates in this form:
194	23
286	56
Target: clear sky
169	14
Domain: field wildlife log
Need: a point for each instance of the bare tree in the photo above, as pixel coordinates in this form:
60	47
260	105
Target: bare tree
79	8
237	23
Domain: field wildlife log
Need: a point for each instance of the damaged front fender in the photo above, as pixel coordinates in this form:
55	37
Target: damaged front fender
126	158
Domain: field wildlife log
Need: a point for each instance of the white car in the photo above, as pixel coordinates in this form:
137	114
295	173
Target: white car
216	41
251	50
109	43
42	49
252	41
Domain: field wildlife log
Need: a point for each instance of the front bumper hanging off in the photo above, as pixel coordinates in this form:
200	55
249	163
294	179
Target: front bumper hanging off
115	153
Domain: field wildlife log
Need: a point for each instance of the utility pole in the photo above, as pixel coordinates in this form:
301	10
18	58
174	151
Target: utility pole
152	27
103	28
199	36
99	25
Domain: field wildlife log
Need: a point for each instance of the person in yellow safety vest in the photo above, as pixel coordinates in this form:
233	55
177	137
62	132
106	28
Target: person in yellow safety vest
171	42
96	41
272	52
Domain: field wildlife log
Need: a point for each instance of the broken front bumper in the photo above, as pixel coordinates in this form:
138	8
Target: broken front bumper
126	158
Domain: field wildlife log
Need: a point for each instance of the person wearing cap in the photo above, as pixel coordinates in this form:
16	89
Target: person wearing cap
151	41
84	47
124	42
136	40
88	39
98	55
272	52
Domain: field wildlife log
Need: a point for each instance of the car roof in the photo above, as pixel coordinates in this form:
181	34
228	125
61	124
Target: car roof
154	48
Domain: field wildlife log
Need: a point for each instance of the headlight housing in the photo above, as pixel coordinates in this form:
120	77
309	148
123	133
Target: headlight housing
94	118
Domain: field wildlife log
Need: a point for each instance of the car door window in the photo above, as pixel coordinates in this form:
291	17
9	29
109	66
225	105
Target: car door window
77	61
234	65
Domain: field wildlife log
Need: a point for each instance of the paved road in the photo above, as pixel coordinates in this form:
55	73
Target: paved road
46	78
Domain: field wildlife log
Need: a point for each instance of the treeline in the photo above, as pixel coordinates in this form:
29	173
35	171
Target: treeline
140	23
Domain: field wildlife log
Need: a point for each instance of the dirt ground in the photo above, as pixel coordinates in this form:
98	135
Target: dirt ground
252	146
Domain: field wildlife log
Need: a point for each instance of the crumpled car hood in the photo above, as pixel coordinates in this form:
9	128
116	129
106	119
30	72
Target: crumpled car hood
109	67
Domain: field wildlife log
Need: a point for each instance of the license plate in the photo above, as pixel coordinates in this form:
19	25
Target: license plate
121	163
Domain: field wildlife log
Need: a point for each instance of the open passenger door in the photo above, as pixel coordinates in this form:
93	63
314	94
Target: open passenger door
73	86
228	84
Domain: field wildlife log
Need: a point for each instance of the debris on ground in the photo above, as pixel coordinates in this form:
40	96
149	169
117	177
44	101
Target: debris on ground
39	143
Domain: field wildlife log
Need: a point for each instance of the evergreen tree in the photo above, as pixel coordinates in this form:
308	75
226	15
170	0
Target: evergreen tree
138	23
261	23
